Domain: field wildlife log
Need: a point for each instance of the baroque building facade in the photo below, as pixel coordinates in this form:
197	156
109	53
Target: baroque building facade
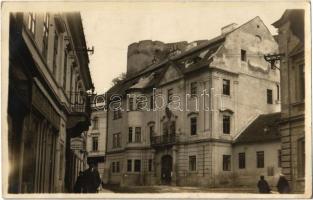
48	104
96	135
175	120
291	40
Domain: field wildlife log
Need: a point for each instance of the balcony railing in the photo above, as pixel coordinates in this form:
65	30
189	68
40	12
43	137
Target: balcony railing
163	140
80	102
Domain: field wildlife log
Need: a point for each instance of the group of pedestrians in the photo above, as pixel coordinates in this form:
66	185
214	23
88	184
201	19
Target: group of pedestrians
88	181
282	185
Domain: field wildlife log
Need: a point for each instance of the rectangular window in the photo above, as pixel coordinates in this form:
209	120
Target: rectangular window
192	163
226	124
130	134
193	125
95	123
193	89
117	113
137	165
242	160
64	70
113	167
277	89
260	159
301	82
45	39
243	55
129	165
226	163
169	95
31	23
151	130
269	96
279	158
151	102
55	52
131	103
301	158
94	143
117	167
226	87
138	134
150	165
116	140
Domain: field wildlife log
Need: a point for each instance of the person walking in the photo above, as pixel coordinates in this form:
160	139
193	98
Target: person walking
263	186
283	185
78	187
92	179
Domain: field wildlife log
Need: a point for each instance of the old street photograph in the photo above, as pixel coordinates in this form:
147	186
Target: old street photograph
137	97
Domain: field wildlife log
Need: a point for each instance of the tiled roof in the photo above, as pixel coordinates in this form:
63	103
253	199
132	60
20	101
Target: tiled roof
262	129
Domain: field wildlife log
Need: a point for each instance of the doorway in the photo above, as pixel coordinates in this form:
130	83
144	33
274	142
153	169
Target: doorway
166	169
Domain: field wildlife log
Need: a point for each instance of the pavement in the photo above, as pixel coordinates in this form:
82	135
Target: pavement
175	189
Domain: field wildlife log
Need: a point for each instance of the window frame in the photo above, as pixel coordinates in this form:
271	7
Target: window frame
45	37
226	124
226	162
269	96
137	165
129	165
55	52
193	89
192	163
226	87
242	160
31	23
243	54
116	140
138	134
260	163
95	143
150	165
130	134
193	125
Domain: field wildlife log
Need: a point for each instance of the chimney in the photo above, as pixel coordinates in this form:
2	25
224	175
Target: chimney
228	28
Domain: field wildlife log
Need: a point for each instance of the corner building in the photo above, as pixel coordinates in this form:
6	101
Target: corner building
48	104
156	140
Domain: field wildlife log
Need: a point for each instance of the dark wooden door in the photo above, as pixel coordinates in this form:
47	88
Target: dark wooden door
166	169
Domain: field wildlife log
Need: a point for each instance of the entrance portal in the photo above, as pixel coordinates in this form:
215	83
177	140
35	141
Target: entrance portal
166	169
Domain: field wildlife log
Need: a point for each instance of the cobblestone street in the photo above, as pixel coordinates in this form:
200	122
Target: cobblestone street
175	189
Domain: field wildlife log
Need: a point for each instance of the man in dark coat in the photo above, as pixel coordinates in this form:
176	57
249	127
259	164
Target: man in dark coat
92	179
263	185
283	185
78	187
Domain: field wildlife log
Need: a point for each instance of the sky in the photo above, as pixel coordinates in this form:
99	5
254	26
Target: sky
110	28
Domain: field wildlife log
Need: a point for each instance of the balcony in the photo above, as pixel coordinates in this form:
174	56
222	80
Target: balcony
163	140
80	111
